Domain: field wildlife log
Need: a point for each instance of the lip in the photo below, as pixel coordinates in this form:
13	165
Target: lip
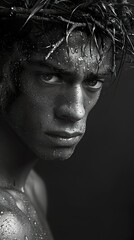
64	139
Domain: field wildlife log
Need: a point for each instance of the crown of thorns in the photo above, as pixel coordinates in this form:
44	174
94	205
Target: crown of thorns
112	18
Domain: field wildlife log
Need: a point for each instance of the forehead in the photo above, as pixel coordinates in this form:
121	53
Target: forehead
76	51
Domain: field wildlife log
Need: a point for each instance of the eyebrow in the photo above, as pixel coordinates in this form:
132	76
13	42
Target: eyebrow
55	68
106	72
62	70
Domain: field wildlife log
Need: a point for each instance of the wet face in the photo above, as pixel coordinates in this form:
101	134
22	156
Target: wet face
57	94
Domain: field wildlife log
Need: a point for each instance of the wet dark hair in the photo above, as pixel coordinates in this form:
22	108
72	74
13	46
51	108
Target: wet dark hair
100	19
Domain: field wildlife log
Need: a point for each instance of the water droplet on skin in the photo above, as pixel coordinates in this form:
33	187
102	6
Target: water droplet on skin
22	189
72	50
1	212
80	58
35	223
26	238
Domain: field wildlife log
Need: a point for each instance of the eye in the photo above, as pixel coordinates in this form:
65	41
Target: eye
94	84
50	78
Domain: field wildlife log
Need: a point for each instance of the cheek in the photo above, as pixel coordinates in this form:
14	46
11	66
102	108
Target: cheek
40	106
39	98
39	112
96	98
91	100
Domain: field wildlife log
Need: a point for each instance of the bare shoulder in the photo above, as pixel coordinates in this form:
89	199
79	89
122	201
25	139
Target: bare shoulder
36	190
13	223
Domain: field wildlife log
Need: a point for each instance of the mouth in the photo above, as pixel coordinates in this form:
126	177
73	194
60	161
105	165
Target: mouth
64	139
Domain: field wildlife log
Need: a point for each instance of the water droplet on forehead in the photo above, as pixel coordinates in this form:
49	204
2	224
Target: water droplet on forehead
76	50
22	189
26	238
80	58
35	223
66	59
72	50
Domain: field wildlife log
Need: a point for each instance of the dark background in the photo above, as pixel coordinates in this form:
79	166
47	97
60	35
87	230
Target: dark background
91	195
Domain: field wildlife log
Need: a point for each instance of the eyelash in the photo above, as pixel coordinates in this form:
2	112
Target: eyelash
98	81
59	80
43	78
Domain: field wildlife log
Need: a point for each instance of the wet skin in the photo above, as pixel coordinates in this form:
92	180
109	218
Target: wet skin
19	219
49	116
57	95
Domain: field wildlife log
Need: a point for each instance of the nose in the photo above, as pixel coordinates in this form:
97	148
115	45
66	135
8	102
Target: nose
71	107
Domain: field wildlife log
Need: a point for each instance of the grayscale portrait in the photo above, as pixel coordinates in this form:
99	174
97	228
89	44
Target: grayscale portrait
55	58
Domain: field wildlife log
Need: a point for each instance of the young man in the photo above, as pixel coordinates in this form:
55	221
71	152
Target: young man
55	57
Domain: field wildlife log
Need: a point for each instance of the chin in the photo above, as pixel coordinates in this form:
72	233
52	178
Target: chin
57	154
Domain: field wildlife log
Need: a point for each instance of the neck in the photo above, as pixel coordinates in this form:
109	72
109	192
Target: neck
16	160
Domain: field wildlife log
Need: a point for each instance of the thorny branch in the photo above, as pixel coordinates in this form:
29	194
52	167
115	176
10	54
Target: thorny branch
112	19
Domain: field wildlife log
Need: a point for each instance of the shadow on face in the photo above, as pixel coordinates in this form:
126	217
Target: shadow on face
59	88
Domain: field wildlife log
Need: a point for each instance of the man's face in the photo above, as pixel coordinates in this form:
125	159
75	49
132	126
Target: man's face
57	95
